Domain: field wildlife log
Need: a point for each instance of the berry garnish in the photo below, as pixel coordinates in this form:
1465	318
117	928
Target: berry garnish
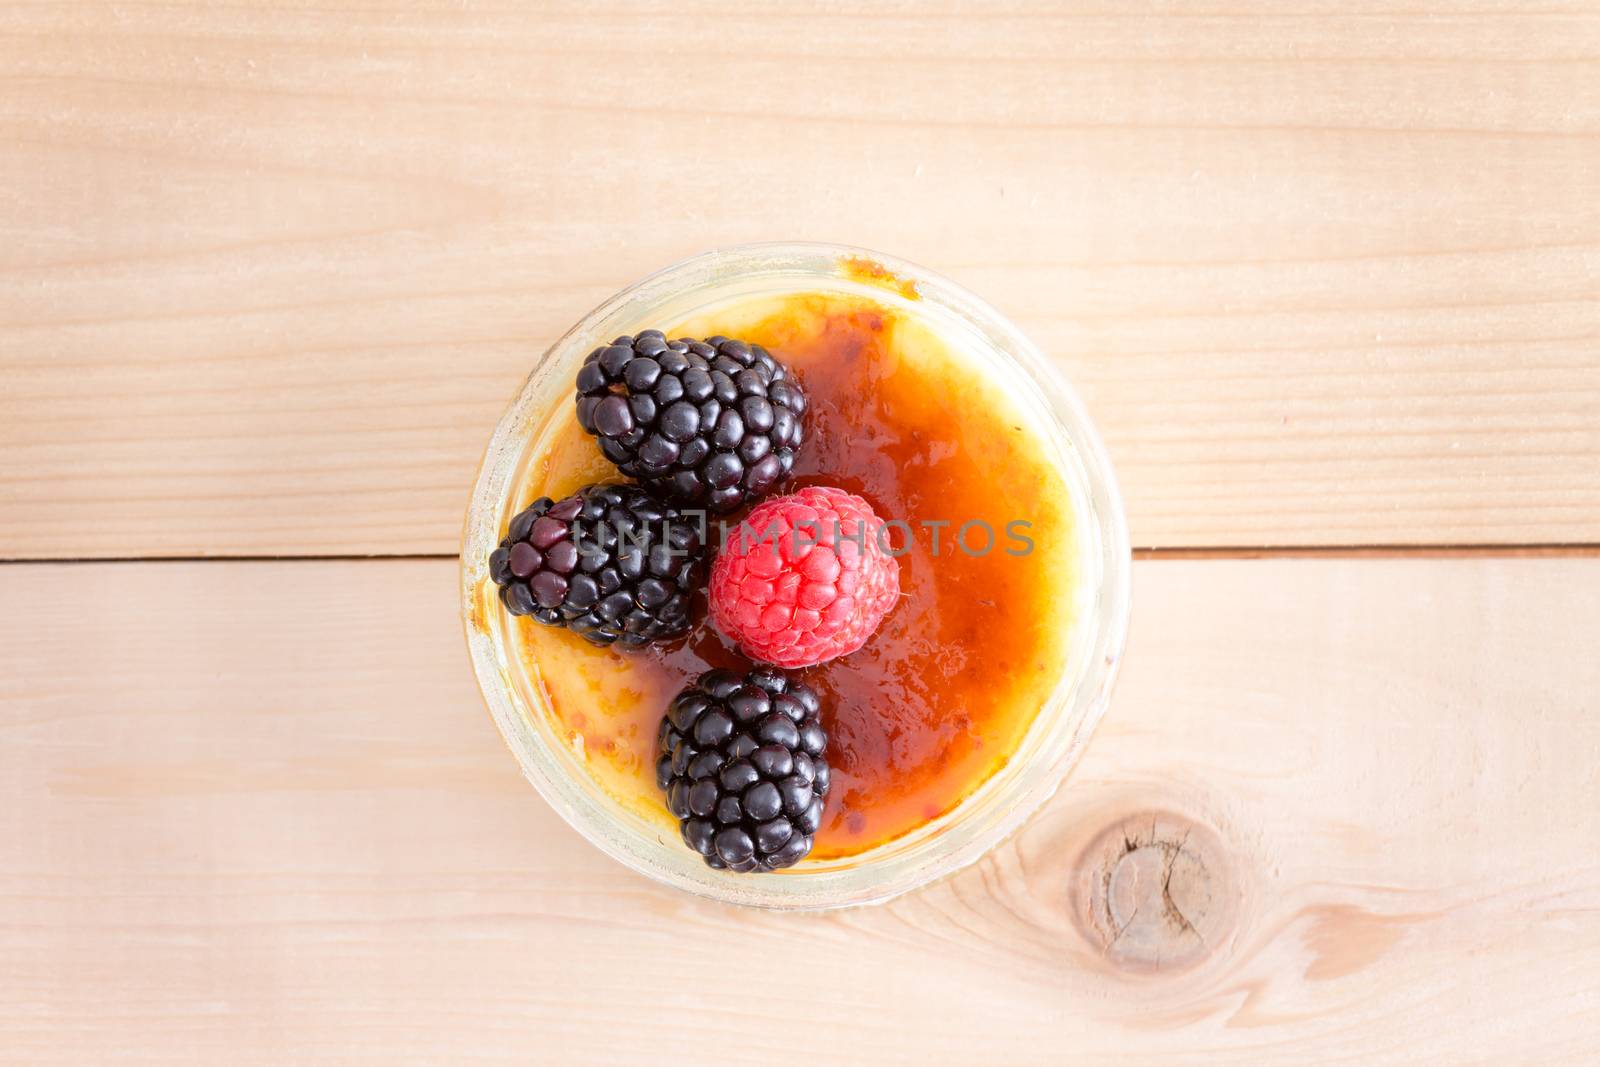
742	762
712	423
804	578
609	563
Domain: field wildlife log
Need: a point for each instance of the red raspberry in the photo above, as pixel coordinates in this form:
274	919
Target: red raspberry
804	578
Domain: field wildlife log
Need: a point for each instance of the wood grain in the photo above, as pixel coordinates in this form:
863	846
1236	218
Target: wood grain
256	814
1325	274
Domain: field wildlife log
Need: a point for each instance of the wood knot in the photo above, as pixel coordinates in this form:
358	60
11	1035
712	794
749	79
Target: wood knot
1156	892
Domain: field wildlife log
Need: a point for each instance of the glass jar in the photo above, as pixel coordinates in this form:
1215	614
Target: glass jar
1059	731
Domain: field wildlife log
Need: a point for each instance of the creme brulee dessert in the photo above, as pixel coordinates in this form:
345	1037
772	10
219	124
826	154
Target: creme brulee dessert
906	418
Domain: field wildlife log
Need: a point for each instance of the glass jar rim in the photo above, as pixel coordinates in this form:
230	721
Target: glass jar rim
995	809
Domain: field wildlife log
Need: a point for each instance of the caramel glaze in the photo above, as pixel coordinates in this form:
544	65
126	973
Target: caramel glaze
942	695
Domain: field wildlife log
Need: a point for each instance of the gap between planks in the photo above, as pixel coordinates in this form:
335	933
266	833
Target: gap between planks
1505	551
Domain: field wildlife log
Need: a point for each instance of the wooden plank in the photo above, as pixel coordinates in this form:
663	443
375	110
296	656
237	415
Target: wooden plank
255	814
267	276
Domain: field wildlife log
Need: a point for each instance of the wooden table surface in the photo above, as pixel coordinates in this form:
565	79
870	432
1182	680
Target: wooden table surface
1327	273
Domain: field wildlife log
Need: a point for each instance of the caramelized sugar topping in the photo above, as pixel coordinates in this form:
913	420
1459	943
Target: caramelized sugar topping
942	695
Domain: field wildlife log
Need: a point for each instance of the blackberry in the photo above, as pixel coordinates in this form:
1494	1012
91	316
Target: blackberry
712	423
741	759
610	563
